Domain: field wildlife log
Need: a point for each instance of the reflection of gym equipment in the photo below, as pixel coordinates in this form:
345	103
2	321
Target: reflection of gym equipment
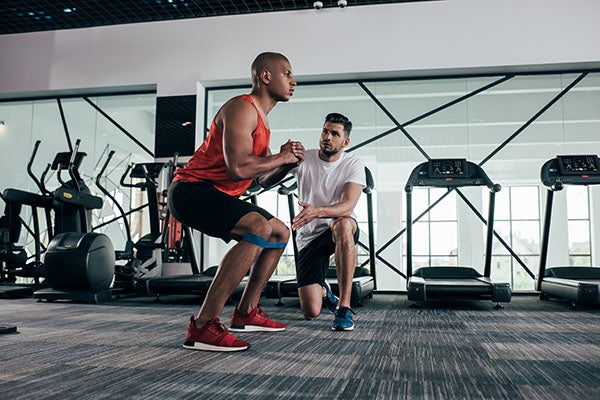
452	282
578	284
144	257
12	256
79	264
363	282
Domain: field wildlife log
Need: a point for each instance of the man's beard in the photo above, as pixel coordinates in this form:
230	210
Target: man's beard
330	153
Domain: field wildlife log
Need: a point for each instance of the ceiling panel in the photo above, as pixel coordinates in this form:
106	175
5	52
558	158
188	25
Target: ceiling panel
19	16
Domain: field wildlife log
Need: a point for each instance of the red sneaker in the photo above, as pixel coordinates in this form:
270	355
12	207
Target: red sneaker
256	321
212	336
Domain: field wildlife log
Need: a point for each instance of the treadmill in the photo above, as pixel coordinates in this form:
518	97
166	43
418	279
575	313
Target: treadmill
363	282
452	282
578	284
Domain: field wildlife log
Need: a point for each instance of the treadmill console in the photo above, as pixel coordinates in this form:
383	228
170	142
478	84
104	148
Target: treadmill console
448	168
449	173
578	165
570	170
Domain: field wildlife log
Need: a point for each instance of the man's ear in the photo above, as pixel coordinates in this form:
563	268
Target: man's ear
265	76
346	140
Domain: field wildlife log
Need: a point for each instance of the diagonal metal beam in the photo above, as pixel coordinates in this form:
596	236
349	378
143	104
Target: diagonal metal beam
394	120
506	245
115	123
400	126
532	119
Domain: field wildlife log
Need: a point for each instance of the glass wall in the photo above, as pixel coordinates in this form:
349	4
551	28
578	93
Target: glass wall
101	123
508	124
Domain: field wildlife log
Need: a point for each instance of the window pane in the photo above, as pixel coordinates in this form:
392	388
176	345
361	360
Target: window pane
526	237
501	269
580	261
444	261
577	202
501	204
420	202
444	238
445	210
524	203
521	279
420	262
503	229
420	239
579	237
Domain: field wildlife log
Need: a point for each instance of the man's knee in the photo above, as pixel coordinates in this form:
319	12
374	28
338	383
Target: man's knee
311	314
343	228
255	224
279	231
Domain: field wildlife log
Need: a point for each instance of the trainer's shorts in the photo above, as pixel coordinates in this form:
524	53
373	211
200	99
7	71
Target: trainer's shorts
313	259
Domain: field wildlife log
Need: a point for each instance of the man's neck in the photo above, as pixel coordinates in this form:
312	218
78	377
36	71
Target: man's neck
332	158
264	102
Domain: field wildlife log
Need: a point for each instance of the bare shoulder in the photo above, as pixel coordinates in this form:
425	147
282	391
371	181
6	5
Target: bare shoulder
236	111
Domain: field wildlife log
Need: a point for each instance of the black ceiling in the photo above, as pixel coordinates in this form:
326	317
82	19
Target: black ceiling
19	16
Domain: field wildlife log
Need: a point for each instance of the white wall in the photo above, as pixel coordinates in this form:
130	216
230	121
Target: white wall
405	39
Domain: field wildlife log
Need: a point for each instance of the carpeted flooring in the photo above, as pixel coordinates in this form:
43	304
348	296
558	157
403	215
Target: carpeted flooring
131	349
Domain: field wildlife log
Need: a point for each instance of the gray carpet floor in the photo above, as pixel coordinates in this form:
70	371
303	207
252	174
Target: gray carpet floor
131	349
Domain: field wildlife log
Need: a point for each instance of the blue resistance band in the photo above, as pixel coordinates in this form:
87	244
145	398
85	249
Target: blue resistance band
262	243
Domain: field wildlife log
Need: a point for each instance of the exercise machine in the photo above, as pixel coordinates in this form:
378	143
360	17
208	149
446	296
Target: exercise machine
363	282
144	257
14	261
581	285
79	264
452	282
13	257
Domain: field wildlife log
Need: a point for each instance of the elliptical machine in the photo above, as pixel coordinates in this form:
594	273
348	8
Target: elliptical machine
143	258
14	261
79	265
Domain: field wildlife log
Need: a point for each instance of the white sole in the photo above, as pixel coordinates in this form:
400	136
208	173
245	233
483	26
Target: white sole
210	347
254	328
342	329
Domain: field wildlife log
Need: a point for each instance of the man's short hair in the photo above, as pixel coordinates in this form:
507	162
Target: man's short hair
264	61
337	118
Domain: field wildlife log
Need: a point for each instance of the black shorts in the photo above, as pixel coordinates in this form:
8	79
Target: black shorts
313	259
200	206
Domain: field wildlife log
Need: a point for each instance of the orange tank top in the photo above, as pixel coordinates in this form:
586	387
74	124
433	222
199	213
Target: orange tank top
208	162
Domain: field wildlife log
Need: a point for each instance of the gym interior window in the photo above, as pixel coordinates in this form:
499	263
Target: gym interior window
27	121
509	123
578	216
517	221
435	235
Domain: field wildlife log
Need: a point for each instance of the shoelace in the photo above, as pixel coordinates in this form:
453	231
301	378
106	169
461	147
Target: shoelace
217	325
262	313
341	312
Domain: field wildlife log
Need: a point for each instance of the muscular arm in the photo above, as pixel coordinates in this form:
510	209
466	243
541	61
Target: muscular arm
238	120
349	198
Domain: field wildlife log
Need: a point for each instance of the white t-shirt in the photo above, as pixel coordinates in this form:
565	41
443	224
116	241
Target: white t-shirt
320	183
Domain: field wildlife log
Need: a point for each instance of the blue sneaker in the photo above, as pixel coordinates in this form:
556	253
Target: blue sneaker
343	319
330	301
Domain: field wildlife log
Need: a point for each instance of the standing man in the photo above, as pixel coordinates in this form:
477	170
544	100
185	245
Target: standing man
205	194
330	182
